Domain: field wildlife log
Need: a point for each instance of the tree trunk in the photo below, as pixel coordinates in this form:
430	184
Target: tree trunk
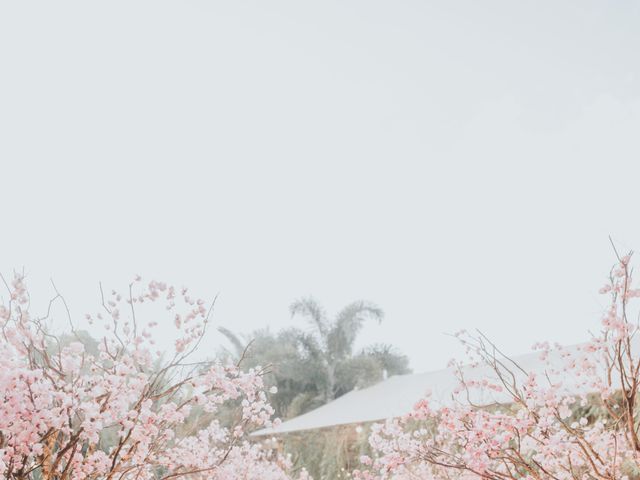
331	382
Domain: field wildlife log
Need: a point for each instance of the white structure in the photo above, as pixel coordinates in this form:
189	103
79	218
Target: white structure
397	395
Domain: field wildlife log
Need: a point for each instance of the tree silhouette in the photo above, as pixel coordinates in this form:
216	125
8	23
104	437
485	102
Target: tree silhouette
311	367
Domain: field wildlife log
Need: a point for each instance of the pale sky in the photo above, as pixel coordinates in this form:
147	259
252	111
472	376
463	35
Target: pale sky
460	163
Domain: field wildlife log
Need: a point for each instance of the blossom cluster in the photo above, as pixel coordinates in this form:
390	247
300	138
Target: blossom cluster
572	414
118	408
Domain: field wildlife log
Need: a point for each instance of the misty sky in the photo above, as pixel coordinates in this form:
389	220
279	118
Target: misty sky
460	163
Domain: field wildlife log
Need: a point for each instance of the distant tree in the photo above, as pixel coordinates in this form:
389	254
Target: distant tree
297	376
310	368
332	341
372	364
391	360
91	345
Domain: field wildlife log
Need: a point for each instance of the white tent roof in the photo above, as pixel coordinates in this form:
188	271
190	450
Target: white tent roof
397	395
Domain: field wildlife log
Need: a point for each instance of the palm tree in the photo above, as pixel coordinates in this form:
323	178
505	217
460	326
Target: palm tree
332	341
313	367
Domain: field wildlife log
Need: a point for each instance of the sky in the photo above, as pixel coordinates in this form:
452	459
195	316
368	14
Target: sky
462	164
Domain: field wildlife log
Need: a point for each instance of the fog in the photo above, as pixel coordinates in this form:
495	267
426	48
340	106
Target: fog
462	164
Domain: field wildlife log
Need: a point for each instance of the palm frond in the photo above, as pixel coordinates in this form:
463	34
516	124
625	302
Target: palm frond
238	345
310	308
310	345
348	324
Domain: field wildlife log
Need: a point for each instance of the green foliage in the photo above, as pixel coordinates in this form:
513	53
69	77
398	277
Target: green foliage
355	373
393	362
331	342
312	367
82	336
330	453
344	330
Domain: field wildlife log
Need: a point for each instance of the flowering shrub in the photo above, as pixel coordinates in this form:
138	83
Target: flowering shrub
125	411
574	418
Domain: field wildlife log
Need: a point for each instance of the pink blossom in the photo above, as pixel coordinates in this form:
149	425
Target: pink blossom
67	413
535	431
